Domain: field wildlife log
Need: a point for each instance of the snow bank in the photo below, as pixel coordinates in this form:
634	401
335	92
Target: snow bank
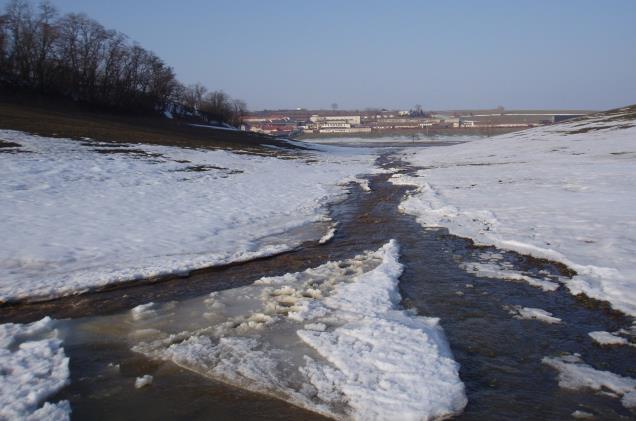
32	368
385	361
575	374
360	355
76	216
562	192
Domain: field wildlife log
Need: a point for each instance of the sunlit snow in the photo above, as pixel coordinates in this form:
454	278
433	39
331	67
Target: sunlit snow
32	368
562	192
333	339
79	215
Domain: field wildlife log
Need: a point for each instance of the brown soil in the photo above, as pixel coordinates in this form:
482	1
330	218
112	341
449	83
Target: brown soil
63	119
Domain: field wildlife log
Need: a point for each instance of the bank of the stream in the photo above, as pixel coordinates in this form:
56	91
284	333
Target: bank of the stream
500	355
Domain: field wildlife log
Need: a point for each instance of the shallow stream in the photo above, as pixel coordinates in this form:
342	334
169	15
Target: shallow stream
500	355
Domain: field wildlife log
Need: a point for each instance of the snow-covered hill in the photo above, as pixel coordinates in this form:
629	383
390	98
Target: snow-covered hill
565	192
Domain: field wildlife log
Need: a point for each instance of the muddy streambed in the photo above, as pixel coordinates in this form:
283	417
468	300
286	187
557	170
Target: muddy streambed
500	355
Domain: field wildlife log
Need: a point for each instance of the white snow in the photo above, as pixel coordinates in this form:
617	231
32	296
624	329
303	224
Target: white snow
629	400
332	339
575	374
493	265
143	381
143	311
491	270
530	313
32	368
606	338
328	235
578	414
549	192
387	362
73	219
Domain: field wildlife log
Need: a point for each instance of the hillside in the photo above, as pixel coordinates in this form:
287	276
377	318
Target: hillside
64	119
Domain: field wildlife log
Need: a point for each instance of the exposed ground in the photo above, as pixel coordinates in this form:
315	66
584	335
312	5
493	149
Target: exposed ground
65	119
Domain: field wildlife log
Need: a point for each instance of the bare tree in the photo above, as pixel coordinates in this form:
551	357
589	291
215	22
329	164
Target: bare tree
239	111
193	96
45	32
3	45
75	56
20	40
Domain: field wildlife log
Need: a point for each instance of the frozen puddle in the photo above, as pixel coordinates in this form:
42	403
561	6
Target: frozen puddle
332	339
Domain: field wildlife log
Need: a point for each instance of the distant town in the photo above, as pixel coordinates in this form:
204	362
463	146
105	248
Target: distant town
302	122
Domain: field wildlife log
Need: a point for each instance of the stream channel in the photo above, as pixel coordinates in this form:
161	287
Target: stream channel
500	355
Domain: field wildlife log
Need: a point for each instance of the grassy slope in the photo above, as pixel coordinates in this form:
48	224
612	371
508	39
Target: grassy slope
66	120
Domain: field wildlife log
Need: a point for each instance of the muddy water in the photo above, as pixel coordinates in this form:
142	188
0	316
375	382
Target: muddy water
500	356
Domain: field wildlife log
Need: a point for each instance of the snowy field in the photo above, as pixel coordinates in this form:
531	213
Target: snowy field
563	192
73	218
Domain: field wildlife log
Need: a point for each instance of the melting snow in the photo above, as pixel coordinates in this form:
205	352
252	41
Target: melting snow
143	381
333	339
77	216
329	234
562	192
575	374
489	270
32	368
492	265
582	415
606	338
530	313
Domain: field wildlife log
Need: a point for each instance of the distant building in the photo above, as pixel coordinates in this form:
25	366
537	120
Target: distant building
351	119
452	122
345	130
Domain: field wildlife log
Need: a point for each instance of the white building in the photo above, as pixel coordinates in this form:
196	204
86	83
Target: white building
333	124
351	119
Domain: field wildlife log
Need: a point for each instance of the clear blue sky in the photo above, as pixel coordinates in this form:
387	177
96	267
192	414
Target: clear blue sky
440	54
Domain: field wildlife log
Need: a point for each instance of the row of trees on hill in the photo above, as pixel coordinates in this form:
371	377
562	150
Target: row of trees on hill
74	56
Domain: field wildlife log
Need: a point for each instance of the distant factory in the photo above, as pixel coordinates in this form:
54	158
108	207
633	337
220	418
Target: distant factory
300	121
